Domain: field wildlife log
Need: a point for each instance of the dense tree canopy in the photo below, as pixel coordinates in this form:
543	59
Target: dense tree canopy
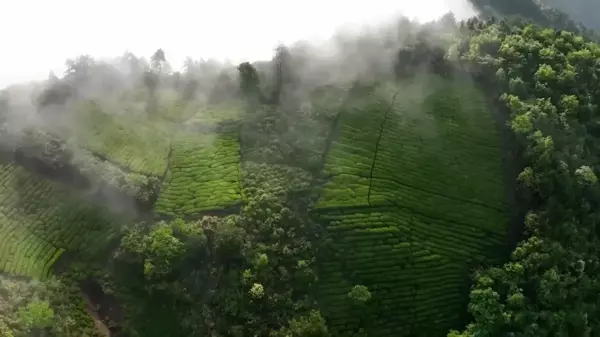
547	82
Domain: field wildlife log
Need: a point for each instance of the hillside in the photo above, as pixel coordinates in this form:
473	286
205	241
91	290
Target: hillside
414	198
441	182
575	16
580	11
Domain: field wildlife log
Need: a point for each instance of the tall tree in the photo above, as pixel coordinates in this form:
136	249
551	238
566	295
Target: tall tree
80	65
158	61
284	77
249	80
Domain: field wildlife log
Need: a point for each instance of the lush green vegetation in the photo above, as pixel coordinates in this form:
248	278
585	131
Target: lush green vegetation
445	185
41	220
239	274
34	308
423	160
125	141
204	175
550	285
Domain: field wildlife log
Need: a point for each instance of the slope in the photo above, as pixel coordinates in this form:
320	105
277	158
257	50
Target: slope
204	175
40	220
134	143
583	11
415	197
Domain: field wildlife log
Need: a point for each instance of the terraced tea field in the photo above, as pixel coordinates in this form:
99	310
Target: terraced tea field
40	220
137	146
415	197
204	175
208	117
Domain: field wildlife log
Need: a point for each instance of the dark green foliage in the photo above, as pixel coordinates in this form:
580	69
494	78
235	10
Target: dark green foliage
224	89
150	80
179	265
411	59
246	274
249	81
284	77
57	93
50	150
527	8
189	91
550	286
294	133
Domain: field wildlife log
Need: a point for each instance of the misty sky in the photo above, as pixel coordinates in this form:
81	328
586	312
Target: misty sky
38	35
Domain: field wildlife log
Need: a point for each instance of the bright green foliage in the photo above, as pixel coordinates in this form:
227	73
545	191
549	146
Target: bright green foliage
350	160
586	175
311	325
257	290
40	219
416	195
36	315
158	249
131	143
204	175
49	308
15	297
550	286
173	261
360	293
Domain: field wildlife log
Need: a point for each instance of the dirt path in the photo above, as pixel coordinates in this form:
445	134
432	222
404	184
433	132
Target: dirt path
100	326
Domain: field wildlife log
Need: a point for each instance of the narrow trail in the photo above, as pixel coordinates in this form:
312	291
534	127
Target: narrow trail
91	310
385	117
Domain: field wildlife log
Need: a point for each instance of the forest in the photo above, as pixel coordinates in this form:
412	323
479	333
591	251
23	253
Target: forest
418	179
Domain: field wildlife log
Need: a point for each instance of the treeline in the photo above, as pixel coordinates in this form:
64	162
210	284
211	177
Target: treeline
580	10
546	80
572	15
130	77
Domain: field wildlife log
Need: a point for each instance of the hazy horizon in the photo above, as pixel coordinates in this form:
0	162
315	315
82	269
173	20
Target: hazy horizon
39	35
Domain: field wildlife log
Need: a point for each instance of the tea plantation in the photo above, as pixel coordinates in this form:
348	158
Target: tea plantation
415	195
40	220
413	198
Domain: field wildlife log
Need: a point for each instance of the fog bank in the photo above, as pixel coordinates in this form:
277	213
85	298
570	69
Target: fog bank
39	35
